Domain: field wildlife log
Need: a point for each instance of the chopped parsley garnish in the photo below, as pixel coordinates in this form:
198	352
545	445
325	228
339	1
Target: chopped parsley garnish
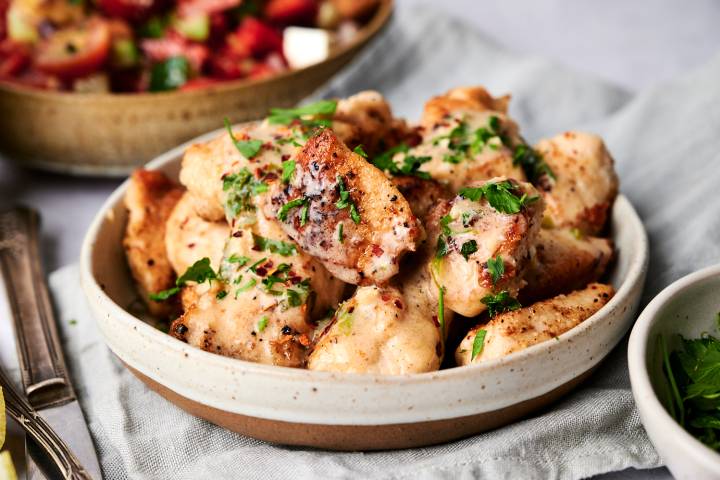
441	248
478	343
254	266
297	295
345	201
344	320
239	259
295	203
198	272
693	374
468	248
410	164
500	195
462	143
532	163
239	189
500	302
341	239
304	213
221	294
496	267
250	284
360	151
288	169
285	249
248	148
293	295
262	323
441	310
314	115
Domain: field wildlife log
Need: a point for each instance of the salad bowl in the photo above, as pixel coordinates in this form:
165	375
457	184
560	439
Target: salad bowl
109	134
350	411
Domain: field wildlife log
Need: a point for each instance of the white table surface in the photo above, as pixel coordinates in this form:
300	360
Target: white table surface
634	44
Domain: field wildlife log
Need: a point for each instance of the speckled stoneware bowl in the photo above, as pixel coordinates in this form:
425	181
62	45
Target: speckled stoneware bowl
350	411
109	134
688	307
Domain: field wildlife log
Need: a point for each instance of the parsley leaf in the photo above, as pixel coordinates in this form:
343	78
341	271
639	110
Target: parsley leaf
239	259
262	323
298	202
441	310
531	162
410	163
478	343
341	239
288	169
496	267
318	111
360	151
500	195
499	303
274	246
345	201
250	284
198	272
468	248
221	294
441	248
239	190
248	148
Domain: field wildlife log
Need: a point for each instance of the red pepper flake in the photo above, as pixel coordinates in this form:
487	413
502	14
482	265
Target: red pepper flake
303	340
261	271
398	304
377	251
385	297
191	245
435	321
238	234
270	176
285	157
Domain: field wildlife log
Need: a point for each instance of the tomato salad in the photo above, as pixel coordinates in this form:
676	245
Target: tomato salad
160	45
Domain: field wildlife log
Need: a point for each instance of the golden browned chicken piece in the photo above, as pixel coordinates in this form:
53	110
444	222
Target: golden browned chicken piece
344	212
585	183
422	195
513	331
469	137
364	118
391	330
483	240
150	199
564	261
189	237
262	308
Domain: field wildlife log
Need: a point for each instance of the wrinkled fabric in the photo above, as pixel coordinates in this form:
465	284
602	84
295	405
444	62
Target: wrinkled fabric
666	143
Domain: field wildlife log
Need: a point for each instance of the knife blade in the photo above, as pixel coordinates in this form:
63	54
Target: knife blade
44	376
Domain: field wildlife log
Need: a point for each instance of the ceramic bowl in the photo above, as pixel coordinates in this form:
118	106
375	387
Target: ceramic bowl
110	134
688	307
351	411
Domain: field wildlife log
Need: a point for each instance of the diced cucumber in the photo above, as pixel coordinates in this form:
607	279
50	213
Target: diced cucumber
124	54
195	27
170	74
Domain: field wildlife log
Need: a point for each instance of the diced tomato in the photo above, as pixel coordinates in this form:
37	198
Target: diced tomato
76	51
174	45
218	28
227	66
291	12
191	7
4	6
199	83
131	10
14	57
254	38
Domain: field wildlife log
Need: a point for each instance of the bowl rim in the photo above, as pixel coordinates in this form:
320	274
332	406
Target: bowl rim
635	273
379	20
643	391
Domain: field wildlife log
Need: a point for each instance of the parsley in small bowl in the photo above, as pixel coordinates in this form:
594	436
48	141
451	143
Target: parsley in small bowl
674	361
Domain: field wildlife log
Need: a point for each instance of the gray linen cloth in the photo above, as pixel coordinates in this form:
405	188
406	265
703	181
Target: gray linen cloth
666	142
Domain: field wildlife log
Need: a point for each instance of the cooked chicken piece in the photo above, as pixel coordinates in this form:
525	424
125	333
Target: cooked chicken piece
481	250
344	212
390	330
512	331
422	195
585	184
469	137
262	309
206	166
364	119
439	108
150	199
564	261
188	237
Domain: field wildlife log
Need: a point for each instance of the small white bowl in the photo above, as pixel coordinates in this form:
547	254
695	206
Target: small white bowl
349	411
688	307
